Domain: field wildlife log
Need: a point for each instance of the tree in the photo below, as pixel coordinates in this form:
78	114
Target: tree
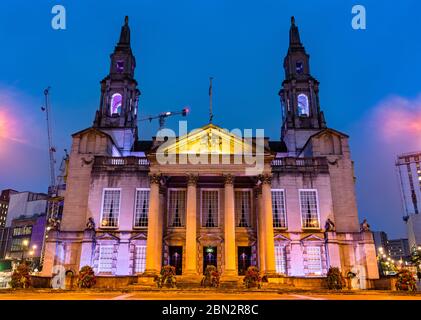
21	277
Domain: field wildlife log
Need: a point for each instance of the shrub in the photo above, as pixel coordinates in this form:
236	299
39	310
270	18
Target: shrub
406	281
211	277
86	278
335	279
166	277
252	278
21	277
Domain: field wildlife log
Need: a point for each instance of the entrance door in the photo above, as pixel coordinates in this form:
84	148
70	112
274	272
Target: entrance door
209	257
244	259
176	259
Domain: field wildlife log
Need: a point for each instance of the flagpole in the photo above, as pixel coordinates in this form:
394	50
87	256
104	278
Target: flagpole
210	100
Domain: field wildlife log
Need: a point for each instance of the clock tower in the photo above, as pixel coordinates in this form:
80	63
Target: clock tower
299	96
117	114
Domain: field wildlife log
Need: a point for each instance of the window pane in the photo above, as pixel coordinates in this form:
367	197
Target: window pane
210	208
141	208
242	208
106	255
314	260
278	209
140	259
280	259
309	209
110	208
176	208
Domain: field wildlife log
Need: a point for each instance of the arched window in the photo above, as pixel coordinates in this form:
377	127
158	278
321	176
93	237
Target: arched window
303	107
116	100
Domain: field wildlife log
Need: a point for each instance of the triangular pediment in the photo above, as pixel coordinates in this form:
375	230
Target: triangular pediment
139	236
312	237
108	236
280	237
210	139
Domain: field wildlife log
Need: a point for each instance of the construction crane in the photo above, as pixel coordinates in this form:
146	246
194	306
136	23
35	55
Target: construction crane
51	148
164	115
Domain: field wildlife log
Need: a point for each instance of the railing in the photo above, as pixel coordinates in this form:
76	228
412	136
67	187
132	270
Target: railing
300	164
121	162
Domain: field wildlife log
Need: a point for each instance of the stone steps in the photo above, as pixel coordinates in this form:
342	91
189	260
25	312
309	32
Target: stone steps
193	283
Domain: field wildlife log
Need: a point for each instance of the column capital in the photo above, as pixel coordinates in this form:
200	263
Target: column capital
265	178
192	179
228	178
155	178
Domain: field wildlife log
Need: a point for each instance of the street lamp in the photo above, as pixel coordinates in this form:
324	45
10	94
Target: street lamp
25	244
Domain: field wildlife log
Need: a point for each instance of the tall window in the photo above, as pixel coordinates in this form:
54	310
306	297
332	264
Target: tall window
106	257
116	100
140	259
18	245
309	209
243	208
303	107
314	260
110	207
280	259
141	208
210	208
278	209
176	208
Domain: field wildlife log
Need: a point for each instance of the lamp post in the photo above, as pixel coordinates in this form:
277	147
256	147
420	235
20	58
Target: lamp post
25	244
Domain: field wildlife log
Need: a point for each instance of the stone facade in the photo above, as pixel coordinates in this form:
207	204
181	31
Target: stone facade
128	213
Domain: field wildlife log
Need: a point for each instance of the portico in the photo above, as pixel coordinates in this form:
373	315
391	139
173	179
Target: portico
211	212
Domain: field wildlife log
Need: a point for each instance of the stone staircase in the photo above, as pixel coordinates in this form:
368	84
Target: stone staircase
192	282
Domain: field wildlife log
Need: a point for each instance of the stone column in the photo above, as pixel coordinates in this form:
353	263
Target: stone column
332	247
268	224
152	241
260	230
229	230
191	219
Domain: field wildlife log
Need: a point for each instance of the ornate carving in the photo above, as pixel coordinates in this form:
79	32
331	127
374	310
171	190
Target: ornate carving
330	226
54	224
265	178
155	178
90	225
87	161
229	178
364	226
192	179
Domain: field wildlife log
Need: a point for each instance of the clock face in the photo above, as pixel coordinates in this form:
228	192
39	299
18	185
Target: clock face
120	65
299	67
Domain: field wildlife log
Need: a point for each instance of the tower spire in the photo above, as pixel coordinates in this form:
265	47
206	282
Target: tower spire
125	33
294	35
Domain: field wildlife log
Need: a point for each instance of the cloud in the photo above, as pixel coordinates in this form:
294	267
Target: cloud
397	121
390	128
23	142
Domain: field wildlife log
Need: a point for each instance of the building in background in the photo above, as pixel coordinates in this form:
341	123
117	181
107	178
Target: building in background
4	205
398	249
5	238
380	240
408	167
27	239
26	204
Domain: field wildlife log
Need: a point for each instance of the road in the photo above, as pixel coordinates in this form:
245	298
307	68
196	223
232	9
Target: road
178	295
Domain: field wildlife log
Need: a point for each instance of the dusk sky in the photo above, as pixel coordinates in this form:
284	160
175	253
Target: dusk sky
370	79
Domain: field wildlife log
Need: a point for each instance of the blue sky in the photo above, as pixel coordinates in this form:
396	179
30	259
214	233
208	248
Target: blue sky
179	44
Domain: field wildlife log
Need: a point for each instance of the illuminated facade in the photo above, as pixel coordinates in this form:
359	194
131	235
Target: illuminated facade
408	167
127	212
